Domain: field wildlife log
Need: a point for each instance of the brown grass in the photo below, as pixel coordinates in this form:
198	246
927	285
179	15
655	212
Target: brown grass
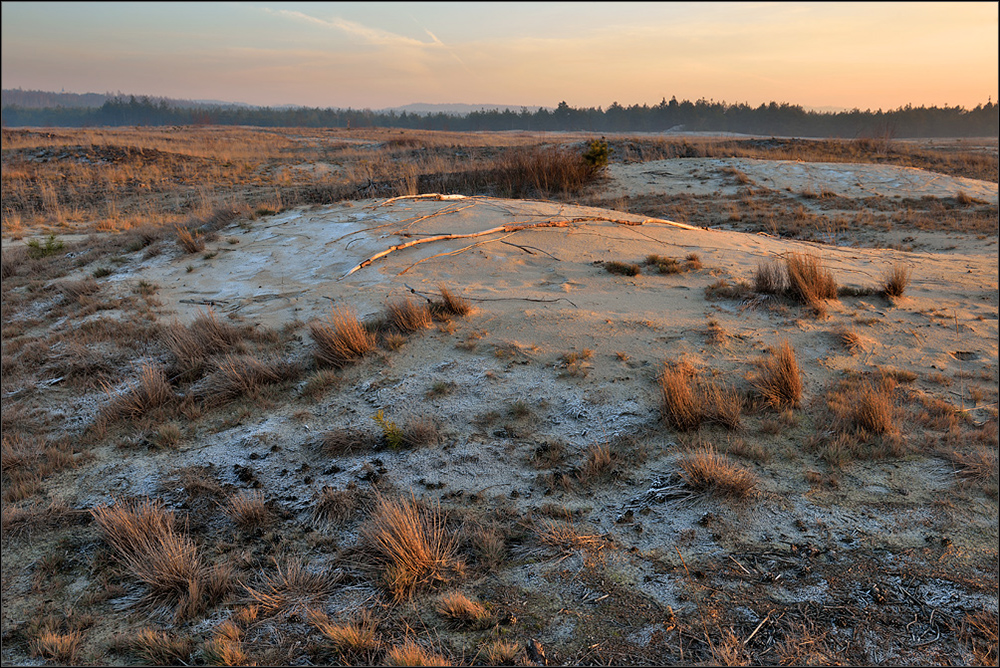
451	303
407	316
144	540
342	441
460	609
341	340
412	654
190	242
679	401
895	280
292	589
412	545
151	390
809	282
248	510
686	402
62	648
779	381
334	506
502	653
356	637
622	268
770	279
865	406
225	647
159	648
239	376
706	470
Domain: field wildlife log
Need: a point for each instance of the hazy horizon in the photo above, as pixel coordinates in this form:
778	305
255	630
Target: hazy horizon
822	56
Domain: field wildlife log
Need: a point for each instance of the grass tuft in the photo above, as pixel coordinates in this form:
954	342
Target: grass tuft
412	545
706	470
341	340
779	381
895	280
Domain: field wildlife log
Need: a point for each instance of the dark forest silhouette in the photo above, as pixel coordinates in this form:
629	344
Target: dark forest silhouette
776	119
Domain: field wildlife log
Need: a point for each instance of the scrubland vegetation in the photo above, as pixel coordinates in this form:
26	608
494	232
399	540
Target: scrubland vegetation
214	567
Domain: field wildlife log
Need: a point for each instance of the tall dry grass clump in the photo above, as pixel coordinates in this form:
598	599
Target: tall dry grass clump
451	303
190	242
341	340
779	381
679	404
412	545
407	317
770	279
150	390
241	375
461	610
809	282
62	648
292	589
705	470
894	281
865	406
158	648
686	402
145	541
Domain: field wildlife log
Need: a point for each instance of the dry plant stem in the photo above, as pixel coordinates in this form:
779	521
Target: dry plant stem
510	228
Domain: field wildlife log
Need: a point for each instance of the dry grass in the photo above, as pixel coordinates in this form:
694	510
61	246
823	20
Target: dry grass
342	441
292	589
145	541
679	401
705	470
461	610
356	637
239	376
190	242
980	632
809	282
451	303
407	317
622	268
686	402
412	654
61	648
894	281
341	340
779	381
225	647
412	544
158	648
502	653
334	506
770	279
151	390
865	406
248	510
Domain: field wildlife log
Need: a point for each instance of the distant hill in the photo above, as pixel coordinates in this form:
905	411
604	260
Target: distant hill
40	99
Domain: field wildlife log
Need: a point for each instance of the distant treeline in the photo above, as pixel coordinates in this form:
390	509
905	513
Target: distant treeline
705	116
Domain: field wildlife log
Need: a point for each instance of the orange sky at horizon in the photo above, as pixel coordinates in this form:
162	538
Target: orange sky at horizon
378	55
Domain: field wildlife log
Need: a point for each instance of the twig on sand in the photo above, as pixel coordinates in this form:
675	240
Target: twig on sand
514	227
454	252
509	228
496	299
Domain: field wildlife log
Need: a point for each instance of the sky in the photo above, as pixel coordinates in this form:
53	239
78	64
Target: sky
386	54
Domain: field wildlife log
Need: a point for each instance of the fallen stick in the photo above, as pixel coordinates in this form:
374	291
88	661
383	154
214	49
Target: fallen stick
446	237
454	252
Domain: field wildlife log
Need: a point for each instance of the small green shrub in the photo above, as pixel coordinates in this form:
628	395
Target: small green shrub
36	249
597	154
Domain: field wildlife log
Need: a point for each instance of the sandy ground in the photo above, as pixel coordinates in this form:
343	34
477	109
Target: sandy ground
543	293
704	176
